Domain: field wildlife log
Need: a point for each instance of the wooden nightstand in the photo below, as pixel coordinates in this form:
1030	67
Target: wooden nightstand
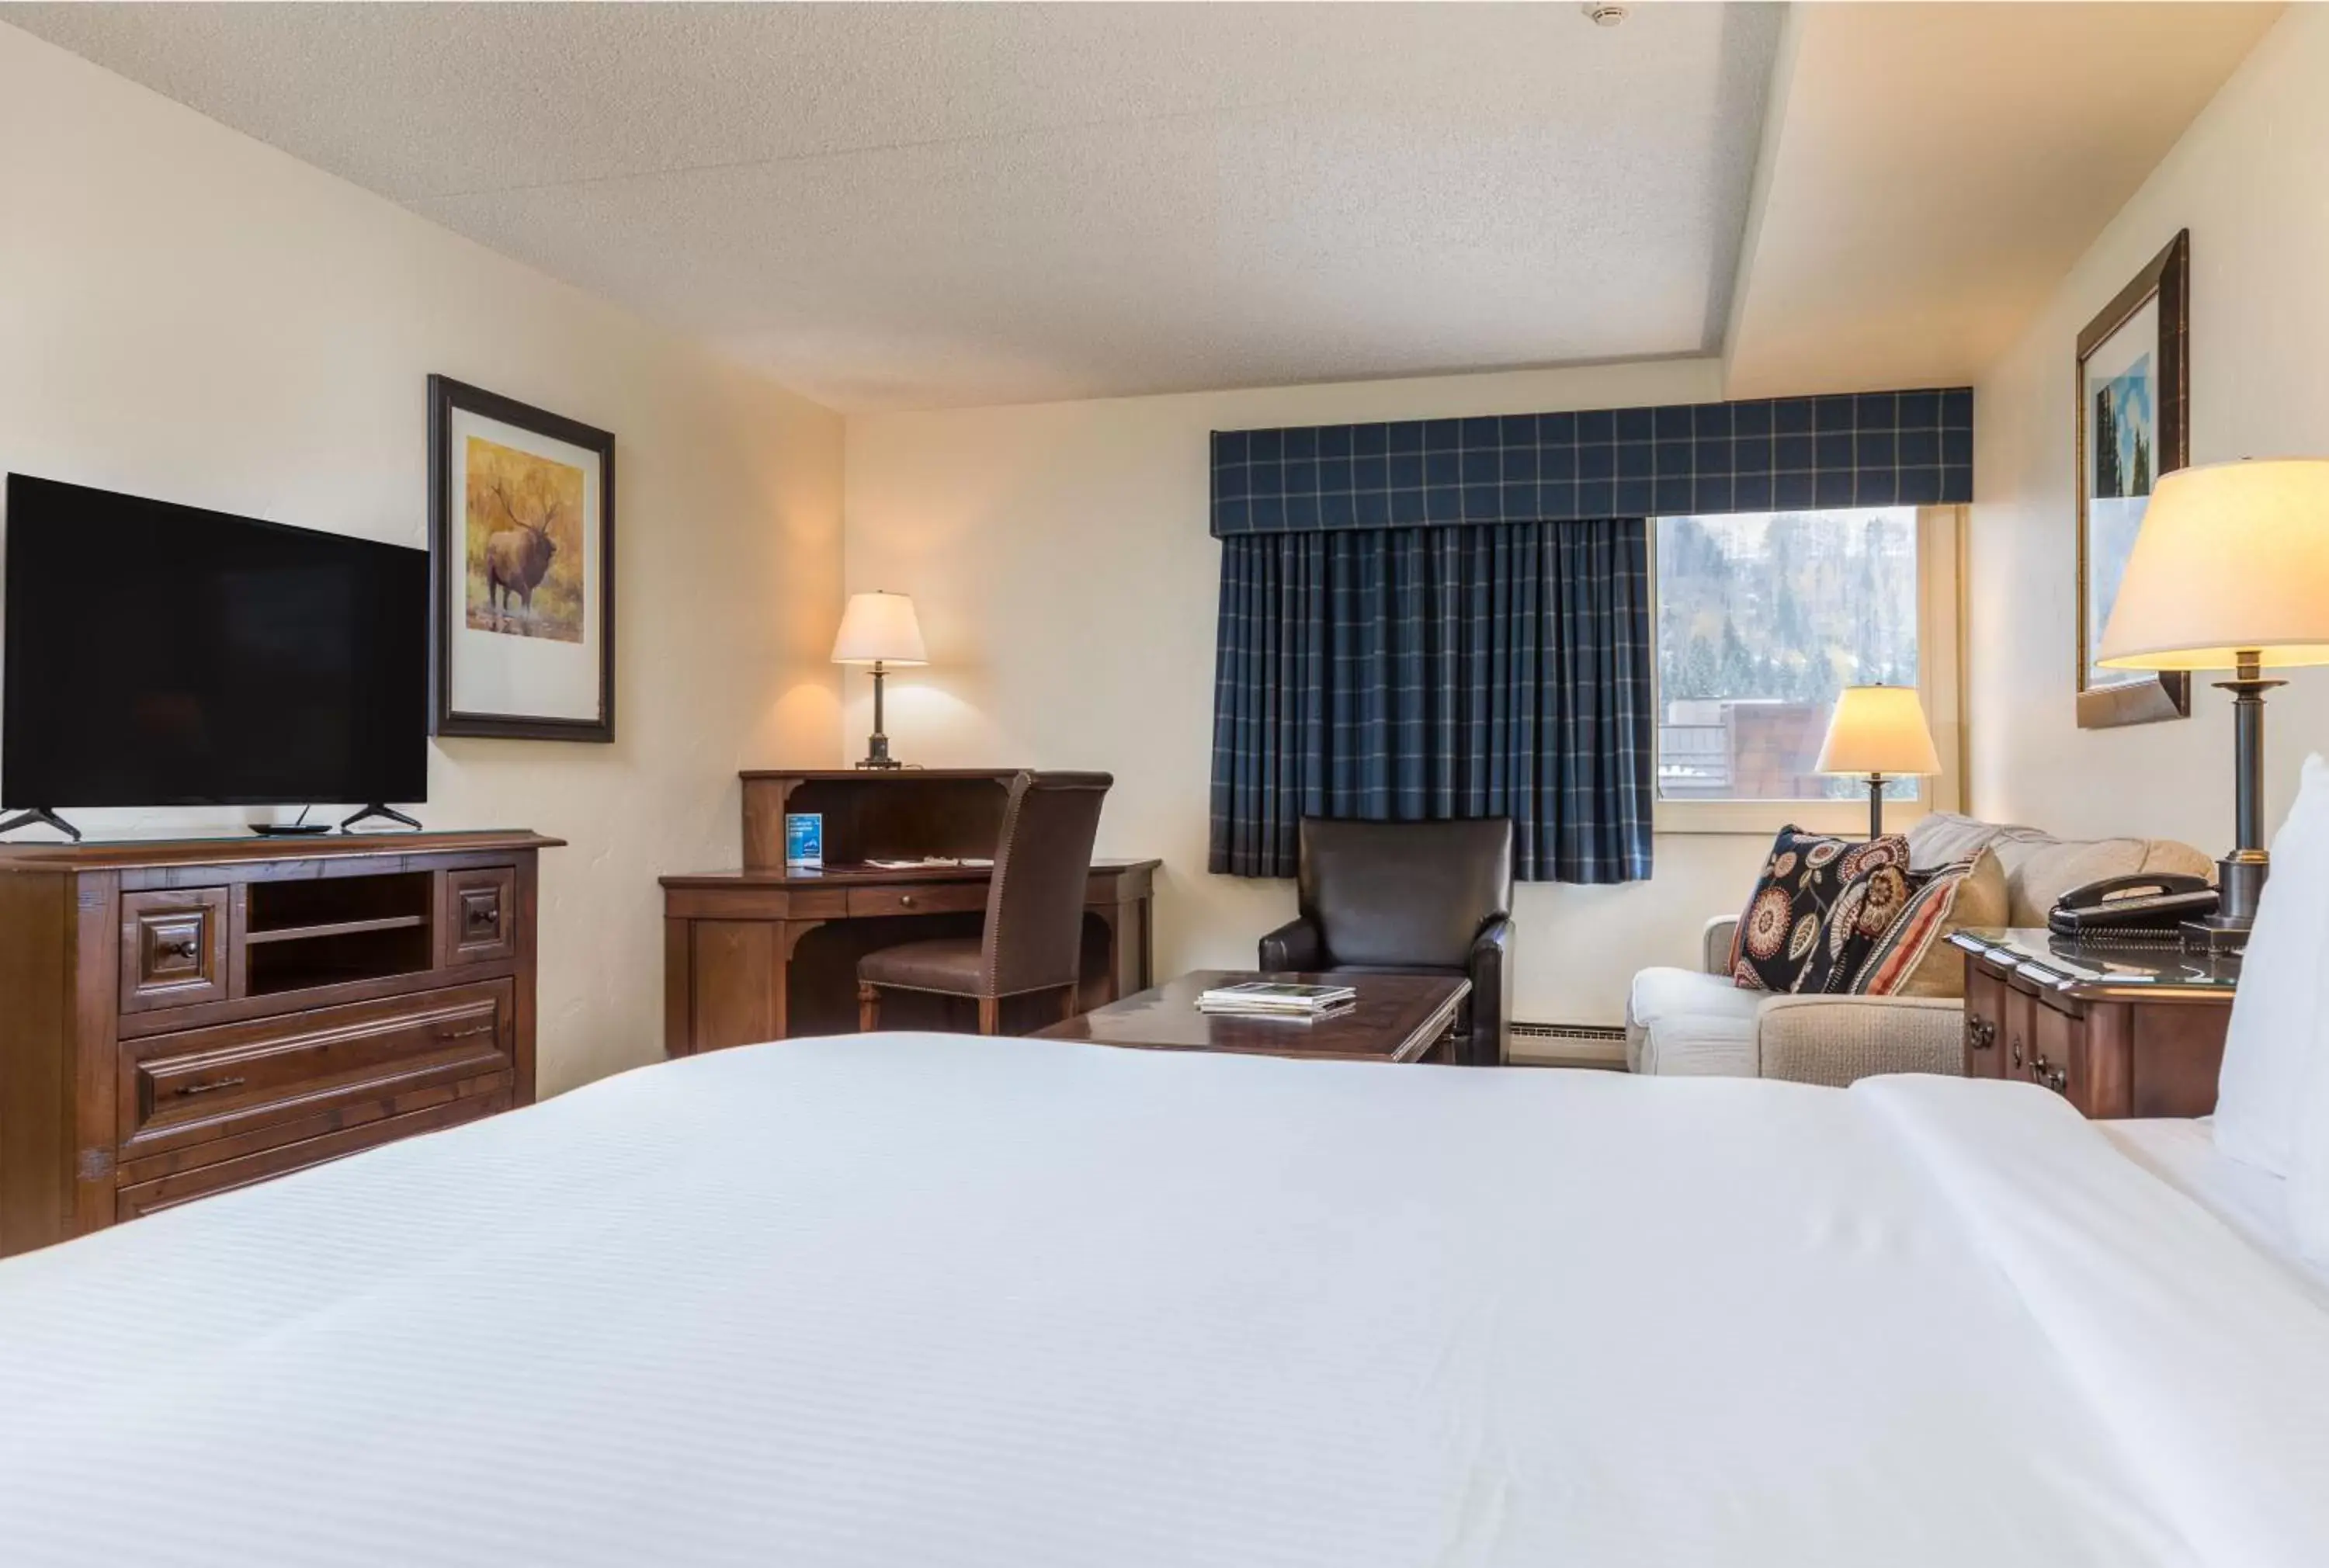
2120	1028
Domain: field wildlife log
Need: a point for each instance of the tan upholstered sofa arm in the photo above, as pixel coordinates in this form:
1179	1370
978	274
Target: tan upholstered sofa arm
1714	943
1834	1039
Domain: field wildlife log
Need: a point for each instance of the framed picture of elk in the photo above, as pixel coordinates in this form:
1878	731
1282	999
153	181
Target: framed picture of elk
522	566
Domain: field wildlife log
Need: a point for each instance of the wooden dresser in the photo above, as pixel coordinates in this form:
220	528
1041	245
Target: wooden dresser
182	1017
2119	1030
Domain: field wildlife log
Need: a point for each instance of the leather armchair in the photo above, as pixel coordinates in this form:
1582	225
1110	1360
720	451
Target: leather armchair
1409	898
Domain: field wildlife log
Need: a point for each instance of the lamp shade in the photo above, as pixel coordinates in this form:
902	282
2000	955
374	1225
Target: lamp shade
2231	556
879	628
1879	729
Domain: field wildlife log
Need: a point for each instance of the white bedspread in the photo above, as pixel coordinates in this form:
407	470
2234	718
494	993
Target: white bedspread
919	1300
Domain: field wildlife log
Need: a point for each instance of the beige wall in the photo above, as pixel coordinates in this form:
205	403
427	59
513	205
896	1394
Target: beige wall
2250	180
187	314
1067	584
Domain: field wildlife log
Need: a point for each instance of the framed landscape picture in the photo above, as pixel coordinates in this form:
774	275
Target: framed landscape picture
2133	424
522	569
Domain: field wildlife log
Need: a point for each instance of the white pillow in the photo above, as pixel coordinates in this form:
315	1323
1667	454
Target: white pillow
2276	1032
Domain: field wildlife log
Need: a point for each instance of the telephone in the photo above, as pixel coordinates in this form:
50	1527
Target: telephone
2147	901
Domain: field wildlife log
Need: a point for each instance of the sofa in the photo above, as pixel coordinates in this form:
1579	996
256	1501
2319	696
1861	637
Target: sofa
1684	1021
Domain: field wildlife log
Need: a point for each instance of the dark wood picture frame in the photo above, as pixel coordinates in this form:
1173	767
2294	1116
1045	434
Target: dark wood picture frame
2168	277
447	556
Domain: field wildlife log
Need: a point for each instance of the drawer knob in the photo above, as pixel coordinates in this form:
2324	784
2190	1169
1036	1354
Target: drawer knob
183	947
209	1085
905	900
2046	1074
1980	1033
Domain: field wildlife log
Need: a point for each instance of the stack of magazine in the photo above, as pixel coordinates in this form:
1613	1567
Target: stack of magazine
1274	999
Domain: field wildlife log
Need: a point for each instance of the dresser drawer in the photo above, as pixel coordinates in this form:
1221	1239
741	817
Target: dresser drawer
173	948
938	898
135	1200
271	1080
480	915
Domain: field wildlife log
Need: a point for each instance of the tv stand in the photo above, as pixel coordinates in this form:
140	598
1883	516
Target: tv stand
43	814
368	812
185	1017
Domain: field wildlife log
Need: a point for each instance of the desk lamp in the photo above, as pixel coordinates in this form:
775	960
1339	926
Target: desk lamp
879	629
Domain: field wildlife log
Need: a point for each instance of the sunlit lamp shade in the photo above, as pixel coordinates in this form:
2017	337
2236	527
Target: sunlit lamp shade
879	629
1879	729
2232	558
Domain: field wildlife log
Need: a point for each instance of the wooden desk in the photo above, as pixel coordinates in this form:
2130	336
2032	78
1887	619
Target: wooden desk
766	953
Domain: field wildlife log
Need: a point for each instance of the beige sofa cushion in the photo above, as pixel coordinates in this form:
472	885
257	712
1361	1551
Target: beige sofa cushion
2036	875
2039	868
1944	838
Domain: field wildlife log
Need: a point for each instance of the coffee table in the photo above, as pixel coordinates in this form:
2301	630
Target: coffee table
1398	1018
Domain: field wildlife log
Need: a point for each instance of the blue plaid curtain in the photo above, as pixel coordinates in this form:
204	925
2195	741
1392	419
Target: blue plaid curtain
1420	673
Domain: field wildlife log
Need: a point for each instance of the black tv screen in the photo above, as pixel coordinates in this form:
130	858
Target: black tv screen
160	655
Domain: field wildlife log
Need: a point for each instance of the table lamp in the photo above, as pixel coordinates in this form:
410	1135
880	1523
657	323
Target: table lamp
2229	571
1877	732
879	629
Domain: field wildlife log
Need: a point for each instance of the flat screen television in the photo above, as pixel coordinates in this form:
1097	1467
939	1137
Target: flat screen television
160	655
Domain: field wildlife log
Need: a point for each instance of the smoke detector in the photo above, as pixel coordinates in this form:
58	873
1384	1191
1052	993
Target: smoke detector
1603	15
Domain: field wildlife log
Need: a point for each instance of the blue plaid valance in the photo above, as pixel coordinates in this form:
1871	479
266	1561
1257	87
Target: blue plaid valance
1778	453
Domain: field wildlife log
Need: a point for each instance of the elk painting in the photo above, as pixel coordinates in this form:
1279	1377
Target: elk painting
524	543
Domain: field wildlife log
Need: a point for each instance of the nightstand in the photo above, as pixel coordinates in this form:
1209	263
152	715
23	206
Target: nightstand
2119	1029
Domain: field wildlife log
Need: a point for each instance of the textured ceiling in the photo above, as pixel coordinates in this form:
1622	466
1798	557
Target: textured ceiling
907	206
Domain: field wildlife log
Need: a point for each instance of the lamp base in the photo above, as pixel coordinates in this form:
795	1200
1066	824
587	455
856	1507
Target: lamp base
2239	884
2215	934
877	745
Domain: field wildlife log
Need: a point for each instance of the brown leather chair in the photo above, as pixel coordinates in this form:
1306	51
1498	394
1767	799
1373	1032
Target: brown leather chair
1034	939
1409	898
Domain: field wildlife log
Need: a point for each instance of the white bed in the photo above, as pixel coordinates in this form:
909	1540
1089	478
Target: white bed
933	1300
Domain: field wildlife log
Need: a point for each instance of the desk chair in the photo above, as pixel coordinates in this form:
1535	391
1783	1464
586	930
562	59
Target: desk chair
1034	939
1409	898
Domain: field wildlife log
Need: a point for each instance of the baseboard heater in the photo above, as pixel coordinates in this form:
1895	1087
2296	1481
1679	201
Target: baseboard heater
1572	1045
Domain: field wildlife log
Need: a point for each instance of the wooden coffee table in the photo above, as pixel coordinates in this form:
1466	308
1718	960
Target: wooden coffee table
1399	1018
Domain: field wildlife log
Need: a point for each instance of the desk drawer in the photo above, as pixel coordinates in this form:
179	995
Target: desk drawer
937	898
268	1082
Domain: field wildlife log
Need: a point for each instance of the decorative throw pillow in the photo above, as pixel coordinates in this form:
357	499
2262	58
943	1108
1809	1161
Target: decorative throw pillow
1909	958
1806	875
1876	889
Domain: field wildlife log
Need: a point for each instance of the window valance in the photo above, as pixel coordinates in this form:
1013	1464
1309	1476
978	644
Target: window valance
1778	453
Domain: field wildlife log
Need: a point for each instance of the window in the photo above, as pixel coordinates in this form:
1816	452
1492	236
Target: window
1762	619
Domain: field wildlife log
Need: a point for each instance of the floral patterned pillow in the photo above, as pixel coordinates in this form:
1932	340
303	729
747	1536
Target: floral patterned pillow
1801	930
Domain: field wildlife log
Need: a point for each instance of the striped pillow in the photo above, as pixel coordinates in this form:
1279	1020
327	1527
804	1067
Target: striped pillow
1922	920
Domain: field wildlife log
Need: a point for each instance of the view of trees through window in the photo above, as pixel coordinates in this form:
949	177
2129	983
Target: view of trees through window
1763	618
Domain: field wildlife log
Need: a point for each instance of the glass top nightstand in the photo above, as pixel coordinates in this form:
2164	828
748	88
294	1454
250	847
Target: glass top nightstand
2118	1028
2092	969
